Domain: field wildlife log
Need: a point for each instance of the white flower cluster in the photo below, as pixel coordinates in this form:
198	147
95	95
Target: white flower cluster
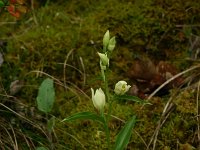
98	96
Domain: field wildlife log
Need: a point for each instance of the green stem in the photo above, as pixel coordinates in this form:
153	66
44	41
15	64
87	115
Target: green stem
107	134
106	130
49	134
108	98
106	87
106	119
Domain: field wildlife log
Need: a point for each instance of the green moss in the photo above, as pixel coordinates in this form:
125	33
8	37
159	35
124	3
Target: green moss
70	30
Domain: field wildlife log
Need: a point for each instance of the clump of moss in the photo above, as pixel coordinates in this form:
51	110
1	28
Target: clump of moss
186	102
73	31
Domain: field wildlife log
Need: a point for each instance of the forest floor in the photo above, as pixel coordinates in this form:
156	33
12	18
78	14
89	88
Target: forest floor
60	41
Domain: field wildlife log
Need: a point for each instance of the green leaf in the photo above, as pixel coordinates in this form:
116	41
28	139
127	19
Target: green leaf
41	148
1	4
131	98
46	95
84	115
124	135
51	124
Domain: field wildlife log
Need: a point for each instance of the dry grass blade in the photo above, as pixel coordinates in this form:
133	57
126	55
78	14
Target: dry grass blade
72	136
27	142
7	23
14	137
78	89
83	67
33	12
68	65
11	140
25	119
64	66
6	138
41	72
169	110
63	85
169	107
198	119
171	79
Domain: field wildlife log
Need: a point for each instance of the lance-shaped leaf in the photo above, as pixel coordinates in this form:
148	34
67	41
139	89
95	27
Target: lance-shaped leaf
124	135
46	95
84	115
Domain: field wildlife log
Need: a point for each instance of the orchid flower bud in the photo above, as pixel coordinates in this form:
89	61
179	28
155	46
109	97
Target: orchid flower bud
121	87
106	40
98	99
111	44
104	59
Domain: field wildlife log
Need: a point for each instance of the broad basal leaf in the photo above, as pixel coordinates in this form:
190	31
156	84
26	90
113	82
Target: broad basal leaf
46	95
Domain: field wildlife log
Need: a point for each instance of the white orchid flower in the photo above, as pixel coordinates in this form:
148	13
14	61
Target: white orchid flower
121	87
104	60
98	98
112	43
106	39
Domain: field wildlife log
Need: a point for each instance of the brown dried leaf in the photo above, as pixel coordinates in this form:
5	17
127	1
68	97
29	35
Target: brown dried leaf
15	87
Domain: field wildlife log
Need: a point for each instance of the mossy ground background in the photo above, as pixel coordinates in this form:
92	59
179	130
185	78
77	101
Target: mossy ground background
70	30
